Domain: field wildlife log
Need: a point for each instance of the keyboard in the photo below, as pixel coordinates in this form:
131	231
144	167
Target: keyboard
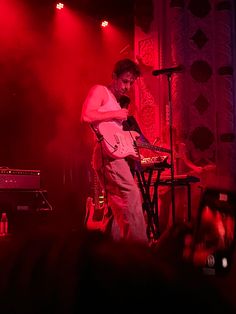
155	162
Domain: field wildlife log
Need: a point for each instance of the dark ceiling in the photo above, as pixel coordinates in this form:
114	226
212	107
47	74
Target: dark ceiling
120	11
113	8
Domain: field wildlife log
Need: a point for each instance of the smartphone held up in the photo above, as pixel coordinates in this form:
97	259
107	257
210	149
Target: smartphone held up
214	233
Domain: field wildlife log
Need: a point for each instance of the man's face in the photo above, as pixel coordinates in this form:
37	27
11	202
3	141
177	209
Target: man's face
123	83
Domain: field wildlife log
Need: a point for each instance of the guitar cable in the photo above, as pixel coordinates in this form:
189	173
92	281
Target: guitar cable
101	138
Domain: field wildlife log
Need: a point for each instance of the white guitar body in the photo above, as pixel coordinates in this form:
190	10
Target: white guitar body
118	143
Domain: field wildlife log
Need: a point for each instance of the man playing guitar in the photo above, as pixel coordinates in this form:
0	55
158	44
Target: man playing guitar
102	109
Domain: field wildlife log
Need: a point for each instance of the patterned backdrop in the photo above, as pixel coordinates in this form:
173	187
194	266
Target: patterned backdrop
198	35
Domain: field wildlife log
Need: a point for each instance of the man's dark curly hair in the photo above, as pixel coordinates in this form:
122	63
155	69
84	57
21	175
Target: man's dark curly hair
126	65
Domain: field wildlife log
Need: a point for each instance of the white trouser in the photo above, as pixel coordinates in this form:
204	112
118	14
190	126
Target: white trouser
123	197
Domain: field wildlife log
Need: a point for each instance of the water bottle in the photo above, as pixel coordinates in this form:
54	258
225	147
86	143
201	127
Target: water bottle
4	224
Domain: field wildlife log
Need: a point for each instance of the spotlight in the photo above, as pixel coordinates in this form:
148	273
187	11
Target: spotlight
60	6
104	23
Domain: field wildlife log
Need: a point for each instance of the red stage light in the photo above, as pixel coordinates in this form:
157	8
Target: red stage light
60	6
104	23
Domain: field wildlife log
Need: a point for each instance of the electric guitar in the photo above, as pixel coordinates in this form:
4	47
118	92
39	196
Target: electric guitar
95	207
120	144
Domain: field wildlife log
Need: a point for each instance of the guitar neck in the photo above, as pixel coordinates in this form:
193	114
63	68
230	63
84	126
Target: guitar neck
154	148
97	195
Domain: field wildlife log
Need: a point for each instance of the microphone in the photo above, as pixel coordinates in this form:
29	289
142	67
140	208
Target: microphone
124	101
178	68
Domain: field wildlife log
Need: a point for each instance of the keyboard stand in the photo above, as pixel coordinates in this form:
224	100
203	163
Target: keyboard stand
149	189
150	198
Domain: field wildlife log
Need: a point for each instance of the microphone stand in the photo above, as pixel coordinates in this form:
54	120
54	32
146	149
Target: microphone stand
169	72
172	168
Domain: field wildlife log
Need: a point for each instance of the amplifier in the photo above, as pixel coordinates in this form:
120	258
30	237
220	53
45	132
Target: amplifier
19	179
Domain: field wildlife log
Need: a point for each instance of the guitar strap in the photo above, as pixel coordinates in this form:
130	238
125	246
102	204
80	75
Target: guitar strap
96	131
131	124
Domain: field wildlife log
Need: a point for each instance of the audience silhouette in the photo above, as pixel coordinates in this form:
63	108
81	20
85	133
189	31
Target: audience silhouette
62	270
